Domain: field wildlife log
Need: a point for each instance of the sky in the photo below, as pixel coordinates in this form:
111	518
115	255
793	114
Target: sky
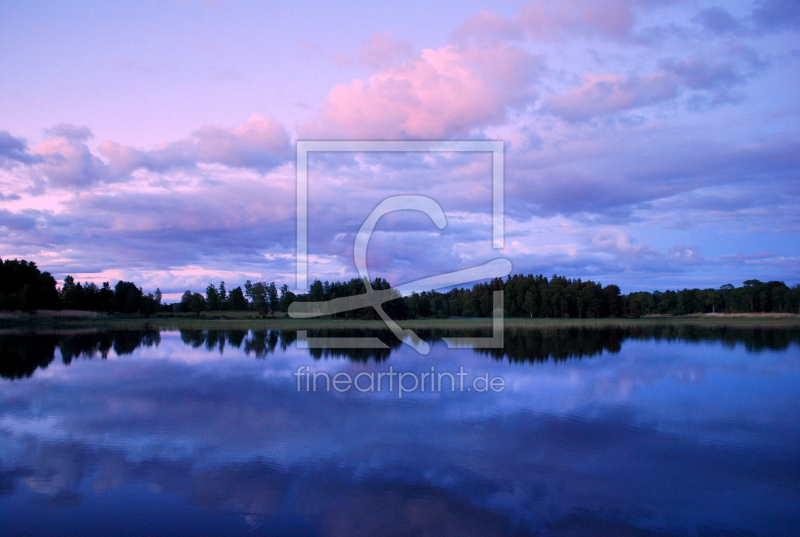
652	144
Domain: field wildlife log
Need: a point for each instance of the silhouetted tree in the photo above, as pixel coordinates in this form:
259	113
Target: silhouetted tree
223	296
24	287
236	300
212	298
287	297
192	302
260	295
127	297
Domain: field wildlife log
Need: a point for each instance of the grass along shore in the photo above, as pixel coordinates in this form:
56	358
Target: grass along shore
224	320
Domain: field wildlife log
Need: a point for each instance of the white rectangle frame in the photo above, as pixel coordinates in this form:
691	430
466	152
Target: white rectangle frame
304	147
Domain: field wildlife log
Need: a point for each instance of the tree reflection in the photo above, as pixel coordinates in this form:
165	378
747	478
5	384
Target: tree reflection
22	353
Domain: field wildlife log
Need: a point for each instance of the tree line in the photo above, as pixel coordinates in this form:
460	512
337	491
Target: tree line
263	297
524	296
752	297
561	297
24	287
125	297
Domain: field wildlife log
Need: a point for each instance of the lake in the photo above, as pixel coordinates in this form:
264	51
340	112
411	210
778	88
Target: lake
654	430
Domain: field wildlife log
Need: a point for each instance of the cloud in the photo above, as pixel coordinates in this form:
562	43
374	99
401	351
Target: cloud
543	20
776	15
717	20
261	143
382	50
766	16
599	95
15	222
14	151
66	162
124	160
610	171
612	250
591	98
232	205
623	21
451	91
141	232
488	24
604	94
698	73
611	19
70	132
685	255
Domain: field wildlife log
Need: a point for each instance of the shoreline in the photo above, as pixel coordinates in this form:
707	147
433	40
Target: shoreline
250	320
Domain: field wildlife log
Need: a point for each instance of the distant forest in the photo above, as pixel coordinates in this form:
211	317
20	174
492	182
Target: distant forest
23	287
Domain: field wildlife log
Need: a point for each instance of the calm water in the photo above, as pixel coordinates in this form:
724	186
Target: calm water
660	431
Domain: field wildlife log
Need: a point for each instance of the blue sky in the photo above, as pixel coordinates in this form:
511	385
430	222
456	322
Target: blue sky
649	144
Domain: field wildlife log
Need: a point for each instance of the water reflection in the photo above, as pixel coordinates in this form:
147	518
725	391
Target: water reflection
560	344
665	431
22	353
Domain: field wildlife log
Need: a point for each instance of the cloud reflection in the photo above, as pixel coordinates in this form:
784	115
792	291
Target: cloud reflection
559	453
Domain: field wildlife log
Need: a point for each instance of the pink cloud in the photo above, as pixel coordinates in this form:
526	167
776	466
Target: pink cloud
549	19
617	19
488	24
68	162
441	93
608	18
65	161
124	159
382	50
260	143
70	132
603	94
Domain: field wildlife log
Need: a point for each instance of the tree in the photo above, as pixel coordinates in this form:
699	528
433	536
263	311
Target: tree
530	304
127	297
105	297
150	303
287	297
212	298
24	287
69	293
272	297
223	296
192	302
794	298
197	303
613	302
316	292
186	299
259	294
236	300
751	293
